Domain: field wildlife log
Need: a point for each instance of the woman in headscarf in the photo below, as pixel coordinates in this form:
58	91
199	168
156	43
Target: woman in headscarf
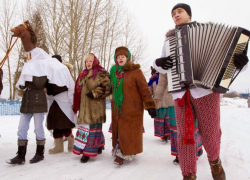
130	97
92	86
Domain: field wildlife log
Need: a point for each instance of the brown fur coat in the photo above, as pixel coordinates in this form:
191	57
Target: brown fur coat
93	111
128	126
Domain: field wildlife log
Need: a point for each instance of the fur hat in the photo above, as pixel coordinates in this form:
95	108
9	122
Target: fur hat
58	57
186	7
121	51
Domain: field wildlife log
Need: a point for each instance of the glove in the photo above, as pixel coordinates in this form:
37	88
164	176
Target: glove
165	62
240	60
152	112
90	95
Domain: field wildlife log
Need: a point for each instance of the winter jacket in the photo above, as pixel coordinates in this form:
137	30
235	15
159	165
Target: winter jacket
34	98
163	98
128	125
152	89
93	111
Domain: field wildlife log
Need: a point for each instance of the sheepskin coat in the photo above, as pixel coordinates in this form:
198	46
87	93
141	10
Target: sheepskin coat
127	126
93	111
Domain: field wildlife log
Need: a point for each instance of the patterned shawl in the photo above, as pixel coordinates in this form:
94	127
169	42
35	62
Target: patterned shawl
154	78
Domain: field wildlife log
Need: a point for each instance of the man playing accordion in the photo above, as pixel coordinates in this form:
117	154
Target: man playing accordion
196	103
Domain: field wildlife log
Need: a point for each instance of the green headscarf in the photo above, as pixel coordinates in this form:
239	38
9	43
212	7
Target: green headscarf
117	74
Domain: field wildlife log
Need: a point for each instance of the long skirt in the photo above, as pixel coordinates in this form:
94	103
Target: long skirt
170	115
89	138
162	123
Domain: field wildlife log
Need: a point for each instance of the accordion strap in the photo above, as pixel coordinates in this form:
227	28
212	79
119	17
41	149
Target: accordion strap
189	119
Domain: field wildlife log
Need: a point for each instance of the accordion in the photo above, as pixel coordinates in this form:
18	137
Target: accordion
204	55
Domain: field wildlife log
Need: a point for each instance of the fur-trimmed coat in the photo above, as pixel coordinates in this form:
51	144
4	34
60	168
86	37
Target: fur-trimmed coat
128	125
93	111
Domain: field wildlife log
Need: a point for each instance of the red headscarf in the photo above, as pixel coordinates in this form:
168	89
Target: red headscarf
78	86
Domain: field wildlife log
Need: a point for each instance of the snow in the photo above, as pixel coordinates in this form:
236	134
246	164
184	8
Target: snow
154	163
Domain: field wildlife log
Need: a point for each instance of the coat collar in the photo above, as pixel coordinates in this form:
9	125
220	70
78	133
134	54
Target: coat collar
172	31
90	74
130	66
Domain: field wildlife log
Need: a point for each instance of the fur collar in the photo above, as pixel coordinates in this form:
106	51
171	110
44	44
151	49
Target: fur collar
130	66
170	33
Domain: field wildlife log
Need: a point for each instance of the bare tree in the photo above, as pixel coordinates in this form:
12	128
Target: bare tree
7	18
74	28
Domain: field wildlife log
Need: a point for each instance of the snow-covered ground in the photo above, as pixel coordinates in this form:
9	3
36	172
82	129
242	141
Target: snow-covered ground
154	163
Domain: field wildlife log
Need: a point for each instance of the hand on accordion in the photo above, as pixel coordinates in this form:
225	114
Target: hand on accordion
240	60
164	62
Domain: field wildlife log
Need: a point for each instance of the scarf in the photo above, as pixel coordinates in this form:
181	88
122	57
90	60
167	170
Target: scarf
79	82
117	74
154	78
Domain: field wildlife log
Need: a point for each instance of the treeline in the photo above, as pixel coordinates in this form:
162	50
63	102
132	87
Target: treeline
70	28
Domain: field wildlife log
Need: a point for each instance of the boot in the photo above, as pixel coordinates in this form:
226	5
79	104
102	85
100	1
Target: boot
84	159
217	170
100	150
118	160
165	139
200	152
70	139
176	161
20	158
58	146
190	177
39	151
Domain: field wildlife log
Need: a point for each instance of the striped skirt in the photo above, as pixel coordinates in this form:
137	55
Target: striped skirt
162	123
88	141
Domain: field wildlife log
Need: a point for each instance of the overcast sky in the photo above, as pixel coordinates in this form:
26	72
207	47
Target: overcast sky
154	20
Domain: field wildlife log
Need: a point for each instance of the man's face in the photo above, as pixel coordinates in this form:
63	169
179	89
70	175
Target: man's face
180	16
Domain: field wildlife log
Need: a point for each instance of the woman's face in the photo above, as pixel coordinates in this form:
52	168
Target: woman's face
89	63
121	59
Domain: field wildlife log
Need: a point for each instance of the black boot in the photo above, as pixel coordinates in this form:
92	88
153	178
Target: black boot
39	152
84	159
176	161
100	150
200	152
20	158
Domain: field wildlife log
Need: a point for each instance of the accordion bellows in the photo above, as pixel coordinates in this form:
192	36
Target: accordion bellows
204	55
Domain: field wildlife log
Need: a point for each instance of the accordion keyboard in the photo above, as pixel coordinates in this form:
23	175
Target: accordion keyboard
173	76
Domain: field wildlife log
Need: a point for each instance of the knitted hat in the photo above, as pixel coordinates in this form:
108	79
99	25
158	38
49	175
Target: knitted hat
58	57
183	6
121	51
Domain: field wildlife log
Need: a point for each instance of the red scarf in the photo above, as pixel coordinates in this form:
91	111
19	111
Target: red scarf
78	86
189	119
